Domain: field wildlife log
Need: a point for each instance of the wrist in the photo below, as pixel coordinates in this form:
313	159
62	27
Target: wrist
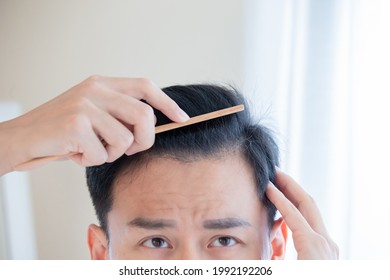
10	154
5	164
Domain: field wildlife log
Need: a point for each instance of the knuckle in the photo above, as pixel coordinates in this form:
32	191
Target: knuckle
328	247
76	124
145	113
146	84
321	241
79	105
146	142
149	142
91	84
144	146
94	78
124	142
100	158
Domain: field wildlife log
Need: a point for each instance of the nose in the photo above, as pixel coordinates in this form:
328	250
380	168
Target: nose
188	253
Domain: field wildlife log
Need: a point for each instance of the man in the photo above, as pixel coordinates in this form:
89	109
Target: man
202	192
111	108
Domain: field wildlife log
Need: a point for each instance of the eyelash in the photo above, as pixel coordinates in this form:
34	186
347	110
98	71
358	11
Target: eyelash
167	244
217	238
150	239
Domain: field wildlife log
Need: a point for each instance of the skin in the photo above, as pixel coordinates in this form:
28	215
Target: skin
75	121
311	239
298	209
204	209
110	109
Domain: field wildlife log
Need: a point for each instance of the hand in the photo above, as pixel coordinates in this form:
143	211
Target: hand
77	120
300	212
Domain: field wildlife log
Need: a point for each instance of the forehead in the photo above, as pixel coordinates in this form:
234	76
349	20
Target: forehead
189	191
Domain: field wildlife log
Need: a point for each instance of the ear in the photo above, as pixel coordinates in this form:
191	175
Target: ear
278	238
97	243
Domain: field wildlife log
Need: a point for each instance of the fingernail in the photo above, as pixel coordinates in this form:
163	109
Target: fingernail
271	185
132	150
183	115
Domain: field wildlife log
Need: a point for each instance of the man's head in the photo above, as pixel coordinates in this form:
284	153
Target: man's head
199	192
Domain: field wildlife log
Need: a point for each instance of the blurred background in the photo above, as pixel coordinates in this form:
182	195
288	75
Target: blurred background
316	71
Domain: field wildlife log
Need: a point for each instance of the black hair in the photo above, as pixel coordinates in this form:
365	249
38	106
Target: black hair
236	132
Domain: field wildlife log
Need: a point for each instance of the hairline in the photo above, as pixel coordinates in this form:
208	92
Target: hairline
147	156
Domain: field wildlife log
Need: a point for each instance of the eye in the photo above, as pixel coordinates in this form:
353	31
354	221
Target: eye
223	241
155	243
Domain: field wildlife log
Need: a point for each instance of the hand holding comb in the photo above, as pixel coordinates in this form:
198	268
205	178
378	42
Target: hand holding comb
159	129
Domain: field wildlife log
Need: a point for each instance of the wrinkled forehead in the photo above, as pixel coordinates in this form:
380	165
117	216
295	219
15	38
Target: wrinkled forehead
212	187
149	162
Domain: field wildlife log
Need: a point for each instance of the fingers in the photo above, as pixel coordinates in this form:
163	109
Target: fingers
137	116
98	108
117	138
125	123
145	89
303	217
304	203
90	149
290	213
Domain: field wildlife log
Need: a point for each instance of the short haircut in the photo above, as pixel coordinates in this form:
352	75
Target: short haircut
238	132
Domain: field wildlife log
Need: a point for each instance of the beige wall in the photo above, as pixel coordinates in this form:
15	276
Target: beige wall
47	46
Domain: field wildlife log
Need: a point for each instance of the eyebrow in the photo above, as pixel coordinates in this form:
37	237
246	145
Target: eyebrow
225	223
147	223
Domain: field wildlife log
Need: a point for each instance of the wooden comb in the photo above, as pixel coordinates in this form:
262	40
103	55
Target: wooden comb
159	129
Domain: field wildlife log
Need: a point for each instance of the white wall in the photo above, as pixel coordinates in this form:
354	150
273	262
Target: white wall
49	45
